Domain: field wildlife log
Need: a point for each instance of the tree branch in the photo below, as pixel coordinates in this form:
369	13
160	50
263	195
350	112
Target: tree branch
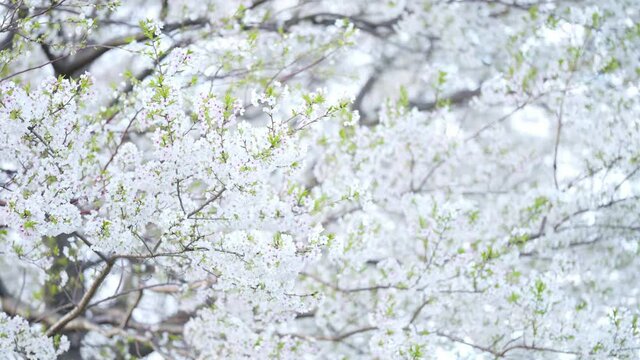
79	309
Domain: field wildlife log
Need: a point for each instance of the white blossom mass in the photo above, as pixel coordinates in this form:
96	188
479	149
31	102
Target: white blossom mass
319	179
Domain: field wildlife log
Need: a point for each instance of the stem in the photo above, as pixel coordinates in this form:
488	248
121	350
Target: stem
79	309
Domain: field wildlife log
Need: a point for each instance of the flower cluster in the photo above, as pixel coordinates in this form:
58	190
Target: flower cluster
327	179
